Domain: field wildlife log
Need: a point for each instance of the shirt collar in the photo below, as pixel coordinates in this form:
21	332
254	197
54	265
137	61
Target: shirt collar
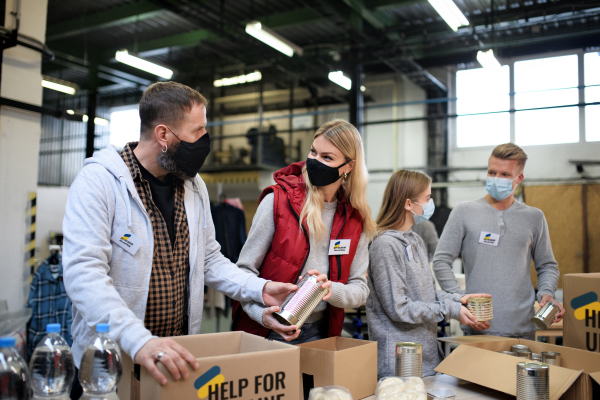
129	159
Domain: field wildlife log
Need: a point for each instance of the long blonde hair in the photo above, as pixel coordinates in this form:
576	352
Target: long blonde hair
403	185
344	136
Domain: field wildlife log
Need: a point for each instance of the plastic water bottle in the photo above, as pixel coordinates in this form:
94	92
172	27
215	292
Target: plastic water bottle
14	374
52	367
101	366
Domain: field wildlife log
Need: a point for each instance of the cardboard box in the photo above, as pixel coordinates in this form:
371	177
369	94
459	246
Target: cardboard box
350	363
582	317
249	367
578	377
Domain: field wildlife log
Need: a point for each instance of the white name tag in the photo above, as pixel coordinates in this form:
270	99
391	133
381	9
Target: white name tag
409	252
127	241
489	238
339	247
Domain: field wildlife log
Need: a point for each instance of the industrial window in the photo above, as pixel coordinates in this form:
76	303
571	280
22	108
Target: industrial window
482	104
547	82
124	126
592	95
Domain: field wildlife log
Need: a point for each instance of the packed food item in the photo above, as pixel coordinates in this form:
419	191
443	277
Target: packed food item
330	393
395	388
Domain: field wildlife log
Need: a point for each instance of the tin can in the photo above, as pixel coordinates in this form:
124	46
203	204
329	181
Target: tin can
440	394
516	347
545	316
533	381
524	354
409	359
298	306
481	308
551	358
536	357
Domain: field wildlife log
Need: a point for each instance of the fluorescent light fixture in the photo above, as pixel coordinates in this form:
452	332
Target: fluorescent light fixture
71	112
270	37
362	88
124	57
450	13
236	80
487	59
97	120
339	78
58	87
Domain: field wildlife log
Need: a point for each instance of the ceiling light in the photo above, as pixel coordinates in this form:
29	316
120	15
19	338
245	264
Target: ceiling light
270	37
97	120
362	88
450	13
487	59
71	112
339	78
124	57
236	80
58	87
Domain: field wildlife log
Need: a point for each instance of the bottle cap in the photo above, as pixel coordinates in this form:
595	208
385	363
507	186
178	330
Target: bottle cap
102	328
53	328
7	342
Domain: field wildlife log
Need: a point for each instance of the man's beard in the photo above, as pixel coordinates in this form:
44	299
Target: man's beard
166	160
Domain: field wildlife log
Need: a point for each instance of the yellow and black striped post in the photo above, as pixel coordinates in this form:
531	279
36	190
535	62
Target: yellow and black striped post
30	233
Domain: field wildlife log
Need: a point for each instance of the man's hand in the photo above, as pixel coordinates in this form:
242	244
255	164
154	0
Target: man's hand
466	297
561	311
467	317
326	283
481	326
288	332
175	359
274	293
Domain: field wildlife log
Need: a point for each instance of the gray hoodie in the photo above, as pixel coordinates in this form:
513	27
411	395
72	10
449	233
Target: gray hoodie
108	284
403	305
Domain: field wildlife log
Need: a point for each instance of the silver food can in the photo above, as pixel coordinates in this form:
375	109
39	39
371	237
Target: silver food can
536	357
524	354
298	306
550	357
533	381
409	359
545	316
516	347
481	308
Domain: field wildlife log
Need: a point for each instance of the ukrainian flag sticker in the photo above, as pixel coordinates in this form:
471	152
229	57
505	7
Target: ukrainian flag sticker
212	377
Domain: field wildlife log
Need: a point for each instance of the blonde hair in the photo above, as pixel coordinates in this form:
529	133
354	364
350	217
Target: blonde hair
510	151
345	137
403	185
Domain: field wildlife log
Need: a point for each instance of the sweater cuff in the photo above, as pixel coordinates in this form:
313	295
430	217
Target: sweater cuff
133	338
256	285
542	292
255	312
455	310
337	295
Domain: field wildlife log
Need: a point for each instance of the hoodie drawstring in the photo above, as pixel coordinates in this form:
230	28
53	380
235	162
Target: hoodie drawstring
126	199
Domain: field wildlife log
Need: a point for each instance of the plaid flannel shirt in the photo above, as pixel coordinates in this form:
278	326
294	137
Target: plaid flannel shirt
50	305
167	307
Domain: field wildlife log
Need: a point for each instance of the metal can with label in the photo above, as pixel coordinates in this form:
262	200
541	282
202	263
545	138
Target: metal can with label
409	359
533	381
516	347
481	308
551	358
298	306
524	354
545	316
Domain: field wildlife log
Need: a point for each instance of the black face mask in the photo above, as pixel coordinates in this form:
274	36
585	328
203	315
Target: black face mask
191	156
320	174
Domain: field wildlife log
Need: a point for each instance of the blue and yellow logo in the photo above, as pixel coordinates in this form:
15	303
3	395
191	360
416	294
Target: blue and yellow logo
336	245
487	237
126	236
212	377
587	301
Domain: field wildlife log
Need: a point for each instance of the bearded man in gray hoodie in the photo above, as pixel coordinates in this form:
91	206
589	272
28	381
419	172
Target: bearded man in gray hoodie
139	241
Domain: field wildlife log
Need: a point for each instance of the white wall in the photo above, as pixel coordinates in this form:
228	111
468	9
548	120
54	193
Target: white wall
19	147
51	203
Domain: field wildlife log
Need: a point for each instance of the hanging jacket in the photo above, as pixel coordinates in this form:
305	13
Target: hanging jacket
291	246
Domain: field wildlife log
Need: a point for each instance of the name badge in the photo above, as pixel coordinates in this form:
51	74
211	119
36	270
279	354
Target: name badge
489	238
409	252
339	247
127	241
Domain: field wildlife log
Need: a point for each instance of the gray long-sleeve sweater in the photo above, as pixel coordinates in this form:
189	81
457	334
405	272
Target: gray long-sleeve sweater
403	305
503	270
353	294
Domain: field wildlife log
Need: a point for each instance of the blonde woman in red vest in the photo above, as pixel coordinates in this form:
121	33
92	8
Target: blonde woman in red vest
327	192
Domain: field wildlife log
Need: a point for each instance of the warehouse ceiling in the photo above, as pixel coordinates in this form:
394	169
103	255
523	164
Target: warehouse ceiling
203	40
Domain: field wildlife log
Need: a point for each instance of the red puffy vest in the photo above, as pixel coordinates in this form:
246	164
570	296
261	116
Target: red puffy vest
290	248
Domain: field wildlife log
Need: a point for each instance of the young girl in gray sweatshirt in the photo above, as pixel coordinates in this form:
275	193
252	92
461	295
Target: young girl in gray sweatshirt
403	305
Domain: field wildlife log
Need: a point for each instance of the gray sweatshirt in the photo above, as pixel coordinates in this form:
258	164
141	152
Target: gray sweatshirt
352	294
403	305
503	270
426	230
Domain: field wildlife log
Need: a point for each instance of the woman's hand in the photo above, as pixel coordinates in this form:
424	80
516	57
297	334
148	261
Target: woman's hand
466	297
326	283
288	332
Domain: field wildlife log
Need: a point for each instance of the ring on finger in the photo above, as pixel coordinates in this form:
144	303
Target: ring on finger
159	356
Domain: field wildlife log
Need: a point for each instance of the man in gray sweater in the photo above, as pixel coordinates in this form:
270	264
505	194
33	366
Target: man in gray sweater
498	238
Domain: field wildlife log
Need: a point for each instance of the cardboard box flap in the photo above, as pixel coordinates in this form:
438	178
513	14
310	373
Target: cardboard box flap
596	376
472	339
211	344
328	344
499	371
252	344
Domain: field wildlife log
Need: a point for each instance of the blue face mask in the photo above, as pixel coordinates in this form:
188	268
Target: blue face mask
428	210
499	188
